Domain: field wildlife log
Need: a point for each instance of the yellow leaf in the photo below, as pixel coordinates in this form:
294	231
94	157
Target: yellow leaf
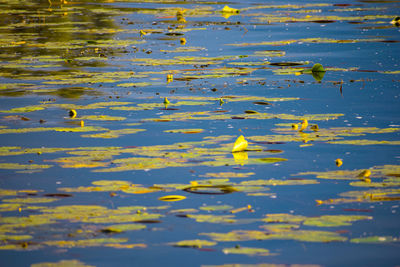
72	113
126	245
396	21
170	78
228	9
339	162
365	173
304	125
241	209
240	144
172	198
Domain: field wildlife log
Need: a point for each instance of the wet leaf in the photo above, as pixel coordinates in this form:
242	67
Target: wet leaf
247	251
125	246
118	228
185	131
364	142
17	166
275	182
228	9
334	220
95	242
317	68
209	218
374	240
172	198
216	208
197	243
114	133
28	200
62	263
240	144
299	235
101	118
228	175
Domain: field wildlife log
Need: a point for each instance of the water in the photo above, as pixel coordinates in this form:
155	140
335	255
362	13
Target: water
90	193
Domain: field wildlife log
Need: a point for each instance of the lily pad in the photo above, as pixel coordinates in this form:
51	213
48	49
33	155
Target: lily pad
197	243
247	251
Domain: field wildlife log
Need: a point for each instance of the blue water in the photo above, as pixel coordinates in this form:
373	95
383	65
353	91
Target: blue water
368	98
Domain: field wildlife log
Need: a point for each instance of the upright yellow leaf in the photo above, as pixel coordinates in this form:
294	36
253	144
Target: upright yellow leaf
228	9
304	125
240	144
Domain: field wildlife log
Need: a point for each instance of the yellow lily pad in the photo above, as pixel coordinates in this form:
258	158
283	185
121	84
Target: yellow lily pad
172	198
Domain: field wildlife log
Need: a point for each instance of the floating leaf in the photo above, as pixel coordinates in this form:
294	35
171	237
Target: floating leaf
275	182
334	220
299	235
27	200
185	131
125	246
101	118
172	198
228	175
374	240
247	251
118	228
283	218
212	218
216	208
210	189
95	242
62	263
197	243
113	133
364	142
17	166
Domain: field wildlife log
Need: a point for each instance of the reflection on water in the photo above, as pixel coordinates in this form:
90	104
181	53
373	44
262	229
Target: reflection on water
118	120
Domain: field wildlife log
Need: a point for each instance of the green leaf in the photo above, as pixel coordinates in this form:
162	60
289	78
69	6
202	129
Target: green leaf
317	68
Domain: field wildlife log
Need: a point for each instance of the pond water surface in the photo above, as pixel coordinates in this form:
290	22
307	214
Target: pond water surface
118	121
